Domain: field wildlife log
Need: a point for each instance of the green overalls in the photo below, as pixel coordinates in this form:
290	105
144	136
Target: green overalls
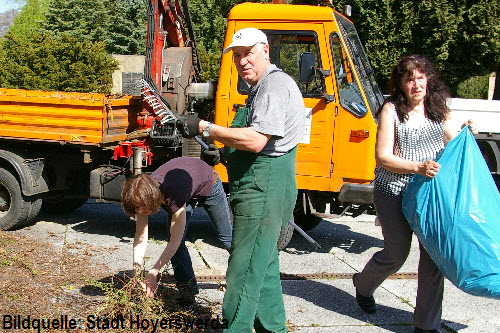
262	196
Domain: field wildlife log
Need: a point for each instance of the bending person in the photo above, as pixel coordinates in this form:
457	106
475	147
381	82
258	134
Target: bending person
177	186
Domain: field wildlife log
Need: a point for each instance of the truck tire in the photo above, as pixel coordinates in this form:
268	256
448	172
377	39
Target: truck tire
36	207
15	209
285	236
61	204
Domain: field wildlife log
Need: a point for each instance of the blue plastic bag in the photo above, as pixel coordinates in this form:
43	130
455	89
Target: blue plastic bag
456	217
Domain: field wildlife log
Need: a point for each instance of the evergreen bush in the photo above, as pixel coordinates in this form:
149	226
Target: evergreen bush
44	61
474	87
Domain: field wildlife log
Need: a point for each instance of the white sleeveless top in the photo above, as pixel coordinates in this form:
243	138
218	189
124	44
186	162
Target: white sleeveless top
415	142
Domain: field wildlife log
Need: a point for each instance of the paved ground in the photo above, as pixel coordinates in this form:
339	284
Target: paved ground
319	306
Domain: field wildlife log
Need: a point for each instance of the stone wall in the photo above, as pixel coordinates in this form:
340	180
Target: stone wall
131	69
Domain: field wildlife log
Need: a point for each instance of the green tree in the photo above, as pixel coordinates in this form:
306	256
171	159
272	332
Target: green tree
209	24
81	19
121	24
43	61
30	17
476	50
461	37
475	87
126	27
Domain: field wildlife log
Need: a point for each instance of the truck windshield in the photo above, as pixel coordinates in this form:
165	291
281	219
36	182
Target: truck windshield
365	71
285	48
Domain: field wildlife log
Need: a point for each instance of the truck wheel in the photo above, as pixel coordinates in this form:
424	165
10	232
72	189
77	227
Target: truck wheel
285	236
306	221
60	204
36	206
15	209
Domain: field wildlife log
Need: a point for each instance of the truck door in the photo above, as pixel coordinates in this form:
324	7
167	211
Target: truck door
287	41
359	98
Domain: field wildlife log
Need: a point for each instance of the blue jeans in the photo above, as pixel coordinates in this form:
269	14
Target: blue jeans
218	210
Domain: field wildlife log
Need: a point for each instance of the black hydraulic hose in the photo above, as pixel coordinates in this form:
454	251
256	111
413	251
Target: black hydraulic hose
189	23
150	41
149	53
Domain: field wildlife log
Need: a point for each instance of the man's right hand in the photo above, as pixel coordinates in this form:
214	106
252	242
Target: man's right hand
211	156
189	126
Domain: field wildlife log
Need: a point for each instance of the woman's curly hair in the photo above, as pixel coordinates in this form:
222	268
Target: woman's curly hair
436	94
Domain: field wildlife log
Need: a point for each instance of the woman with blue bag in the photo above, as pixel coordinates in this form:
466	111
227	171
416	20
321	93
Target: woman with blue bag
413	128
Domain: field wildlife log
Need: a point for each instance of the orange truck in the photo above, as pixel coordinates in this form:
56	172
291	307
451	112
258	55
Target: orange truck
59	149
49	144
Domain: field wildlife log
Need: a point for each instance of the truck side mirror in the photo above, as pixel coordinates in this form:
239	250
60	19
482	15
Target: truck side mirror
307	67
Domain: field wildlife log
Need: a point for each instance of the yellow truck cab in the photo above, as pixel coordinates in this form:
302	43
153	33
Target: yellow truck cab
320	49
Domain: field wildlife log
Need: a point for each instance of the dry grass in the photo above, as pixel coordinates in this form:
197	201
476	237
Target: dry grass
38	281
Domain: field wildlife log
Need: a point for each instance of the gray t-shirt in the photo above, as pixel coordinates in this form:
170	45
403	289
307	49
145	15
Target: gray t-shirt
277	109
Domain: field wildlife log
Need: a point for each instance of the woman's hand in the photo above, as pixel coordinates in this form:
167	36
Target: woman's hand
428	168
150	285
471	125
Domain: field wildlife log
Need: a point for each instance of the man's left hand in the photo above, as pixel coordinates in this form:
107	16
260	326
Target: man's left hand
211	156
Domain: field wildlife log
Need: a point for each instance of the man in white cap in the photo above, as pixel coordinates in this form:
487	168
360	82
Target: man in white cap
263	140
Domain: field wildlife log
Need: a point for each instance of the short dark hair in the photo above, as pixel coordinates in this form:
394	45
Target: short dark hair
141	191
436	94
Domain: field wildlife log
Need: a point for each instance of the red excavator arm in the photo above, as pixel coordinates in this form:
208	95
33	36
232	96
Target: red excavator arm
169	25
171	65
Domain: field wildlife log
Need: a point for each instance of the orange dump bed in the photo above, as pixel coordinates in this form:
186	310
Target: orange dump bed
68	117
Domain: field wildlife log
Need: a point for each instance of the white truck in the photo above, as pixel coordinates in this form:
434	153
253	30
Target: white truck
486	116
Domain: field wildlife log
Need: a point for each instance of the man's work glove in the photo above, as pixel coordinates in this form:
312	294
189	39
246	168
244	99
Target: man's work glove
189	126
211	156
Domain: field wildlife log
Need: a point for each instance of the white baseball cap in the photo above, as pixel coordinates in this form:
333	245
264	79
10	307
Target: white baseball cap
247	37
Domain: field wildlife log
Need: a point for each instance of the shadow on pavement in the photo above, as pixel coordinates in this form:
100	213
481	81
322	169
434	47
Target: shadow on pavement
332	235
109	219
337	300
92	218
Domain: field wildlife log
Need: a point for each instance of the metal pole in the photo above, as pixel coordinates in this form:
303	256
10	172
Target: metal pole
138	158
303	233
203	144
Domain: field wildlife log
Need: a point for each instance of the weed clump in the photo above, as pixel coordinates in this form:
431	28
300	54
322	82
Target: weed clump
127	303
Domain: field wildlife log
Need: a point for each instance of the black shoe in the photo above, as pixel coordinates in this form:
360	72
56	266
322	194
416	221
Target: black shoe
187	292
185	299
367	304
419	330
